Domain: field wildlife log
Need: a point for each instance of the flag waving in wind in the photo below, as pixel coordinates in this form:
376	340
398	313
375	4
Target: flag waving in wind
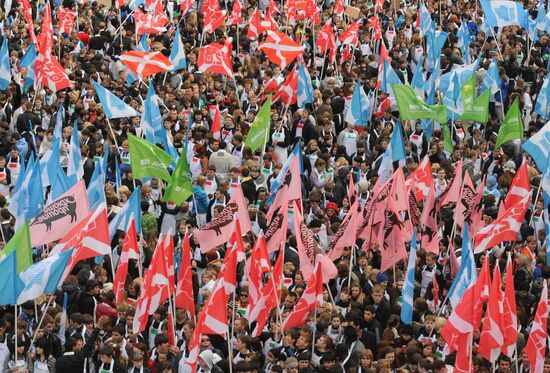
112	106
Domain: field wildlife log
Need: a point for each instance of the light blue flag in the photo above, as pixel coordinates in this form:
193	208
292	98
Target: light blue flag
43	276
464	40
11	284
492	78
5	70
435	40
113	107
408	288
36	191
117	175
463	72
30	78
425	18
151	120
361	107
27	198
418	81
396	143
546	212
542	106
96	188
130	78
467	273
389	78
542	23
453	98
60	184
538	146
501	13
305	88
427	125
50	160
143	46
276	184
122	218
28	58
75	168
177	54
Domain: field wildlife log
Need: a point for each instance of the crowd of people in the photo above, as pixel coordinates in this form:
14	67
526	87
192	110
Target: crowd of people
359	328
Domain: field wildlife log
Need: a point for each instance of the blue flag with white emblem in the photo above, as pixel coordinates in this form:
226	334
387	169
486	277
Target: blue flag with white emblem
305	88
408	287
113	107
177	54
5	70
500	13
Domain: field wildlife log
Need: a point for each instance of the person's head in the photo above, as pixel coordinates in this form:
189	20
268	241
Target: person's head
106	354
503	363
369	313
43	347
74	344
367	359
336	321
429	321
377	293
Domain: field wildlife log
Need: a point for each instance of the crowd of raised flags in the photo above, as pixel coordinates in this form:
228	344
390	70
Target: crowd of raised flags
143	201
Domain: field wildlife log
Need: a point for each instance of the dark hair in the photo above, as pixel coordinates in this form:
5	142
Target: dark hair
45	345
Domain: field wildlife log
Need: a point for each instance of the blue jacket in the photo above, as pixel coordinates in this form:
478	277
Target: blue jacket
201	200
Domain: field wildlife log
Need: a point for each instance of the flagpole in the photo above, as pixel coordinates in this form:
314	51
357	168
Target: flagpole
350	265
536	200
323	68
15	322
112	134
112	265
41	321
238	98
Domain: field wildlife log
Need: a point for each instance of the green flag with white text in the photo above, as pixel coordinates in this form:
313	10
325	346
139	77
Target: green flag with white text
21	243
180	188
468	93
512	126
447	139
147	159
259	130
479	109
412	107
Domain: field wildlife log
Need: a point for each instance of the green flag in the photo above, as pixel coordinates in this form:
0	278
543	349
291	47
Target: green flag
148	159
468	92
479	110
409	104
21	242
180	187
439	113
512	126
447	139
259	130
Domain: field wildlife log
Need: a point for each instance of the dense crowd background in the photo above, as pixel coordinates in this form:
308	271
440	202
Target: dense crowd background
359	328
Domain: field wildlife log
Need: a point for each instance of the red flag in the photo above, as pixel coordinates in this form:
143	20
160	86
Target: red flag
536	344
235	253
28	18
492	335
521	186
270	295
351	34
149	23
430	233
129	251
259	264
505	228
339	7
90	238
254	27
273	9
305	243
213	20
215	310
452	194
236	14
120	3
312	12
215	58
510	317
219	230
277	217
50	73
144	64
477	215
184	291
280	48
45	39
435	292
288	93
375	22
326	40
466	203
307	303
379	4
346	233
481	294
383	57
421	179
168	249
185	7
162	282
66	20
216	123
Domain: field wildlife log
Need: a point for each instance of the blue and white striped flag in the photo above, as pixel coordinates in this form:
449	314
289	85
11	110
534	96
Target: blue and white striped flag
177	55
467	273
305	88
75	168
5	70
408	287
113	107
542	106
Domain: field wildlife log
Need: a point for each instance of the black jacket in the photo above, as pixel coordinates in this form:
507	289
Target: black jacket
75	362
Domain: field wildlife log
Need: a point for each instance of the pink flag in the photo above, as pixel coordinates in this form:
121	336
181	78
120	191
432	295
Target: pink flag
184	290
305	241
536	344
129	251
477	215
492	336
452	194
236	16
277	217
430	233
307	303
345	235
66	20
60	216
218	231
521	186
505	228
466	203
510	317
481	293
393	244
270	296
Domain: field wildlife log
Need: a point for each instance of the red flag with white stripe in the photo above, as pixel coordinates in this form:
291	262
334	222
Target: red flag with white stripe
270	295
521	186
144	64
536	344
215	310
280	48
326	40
351	34
27	10
492	335
510	317
215	58
213	18
504	228
259	264
216	122
236	14
129	251
254	26
421	179
375	22
150	23
288	93
66	19
184	290
339	7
